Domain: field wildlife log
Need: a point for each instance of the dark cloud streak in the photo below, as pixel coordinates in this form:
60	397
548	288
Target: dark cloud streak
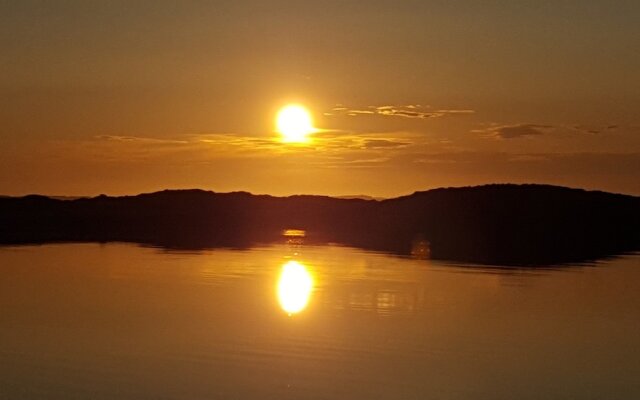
513	131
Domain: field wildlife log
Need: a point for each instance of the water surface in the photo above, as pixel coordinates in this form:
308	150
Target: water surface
310	322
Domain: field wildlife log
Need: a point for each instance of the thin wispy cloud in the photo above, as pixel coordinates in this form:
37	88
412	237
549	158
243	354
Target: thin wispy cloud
359	151
407	111
384	143
137	139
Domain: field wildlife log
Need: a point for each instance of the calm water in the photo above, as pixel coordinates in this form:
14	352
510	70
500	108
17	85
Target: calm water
117	321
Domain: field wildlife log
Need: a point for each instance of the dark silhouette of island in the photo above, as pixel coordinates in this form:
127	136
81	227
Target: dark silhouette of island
495	224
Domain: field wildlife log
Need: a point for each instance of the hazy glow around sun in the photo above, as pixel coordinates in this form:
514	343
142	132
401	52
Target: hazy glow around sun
294	123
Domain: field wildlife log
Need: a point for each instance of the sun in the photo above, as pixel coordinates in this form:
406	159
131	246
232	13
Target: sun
294	123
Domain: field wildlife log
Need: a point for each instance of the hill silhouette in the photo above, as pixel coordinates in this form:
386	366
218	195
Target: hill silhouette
497	224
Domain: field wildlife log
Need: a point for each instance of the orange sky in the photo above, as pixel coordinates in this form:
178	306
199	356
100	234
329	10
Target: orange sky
120	98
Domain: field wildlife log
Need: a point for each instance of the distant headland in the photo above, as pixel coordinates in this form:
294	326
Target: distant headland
495	224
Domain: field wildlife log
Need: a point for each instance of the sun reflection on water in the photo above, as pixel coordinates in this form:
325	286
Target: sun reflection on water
294	287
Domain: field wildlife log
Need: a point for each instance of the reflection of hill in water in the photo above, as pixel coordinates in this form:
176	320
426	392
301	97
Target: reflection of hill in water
508	224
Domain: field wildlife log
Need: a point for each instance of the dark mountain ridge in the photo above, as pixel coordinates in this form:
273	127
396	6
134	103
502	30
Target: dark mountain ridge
499	224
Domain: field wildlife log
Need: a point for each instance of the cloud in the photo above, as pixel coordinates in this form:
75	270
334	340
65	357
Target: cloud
356	163
384	143
529	158
595	130
138	139
513	131
496	131
325	145
407	111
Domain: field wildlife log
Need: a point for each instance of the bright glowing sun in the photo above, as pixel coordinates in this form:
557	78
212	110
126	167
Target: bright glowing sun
294	124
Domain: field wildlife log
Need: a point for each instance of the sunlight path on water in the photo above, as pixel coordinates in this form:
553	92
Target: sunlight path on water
313	322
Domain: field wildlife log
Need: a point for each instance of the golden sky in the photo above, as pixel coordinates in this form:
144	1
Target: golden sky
127	97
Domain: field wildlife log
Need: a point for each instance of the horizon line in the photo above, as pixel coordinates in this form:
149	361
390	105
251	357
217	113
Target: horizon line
345	196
